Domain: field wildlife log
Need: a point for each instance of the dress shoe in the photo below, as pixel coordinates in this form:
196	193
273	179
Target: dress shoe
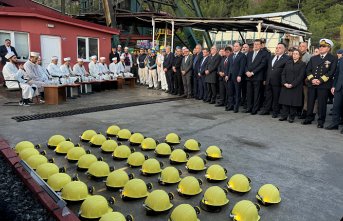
184	96
219	105
235	110
283	119
212	102
306	122
246	111
275	115
303	115
332	127
342	131
264	113
320	125
229	108
290	120
253	112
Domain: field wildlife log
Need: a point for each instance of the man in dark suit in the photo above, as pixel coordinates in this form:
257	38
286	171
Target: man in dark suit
256	63
202	88
197	57
320	71
223	71
211	75
272	82
237	62
168	69
178	86
186	71
6	48
337	91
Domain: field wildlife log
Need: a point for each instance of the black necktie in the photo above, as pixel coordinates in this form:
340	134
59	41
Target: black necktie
322	56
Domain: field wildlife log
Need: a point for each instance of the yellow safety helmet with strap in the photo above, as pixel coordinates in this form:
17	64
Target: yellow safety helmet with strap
136	159
99	169
172	139
87	135
151	166
158	201
116	216
136	139
26	153
169	175
135	189
63	147
112	131
58	180
76	191
22	145
195	164
192	145
189	186
268	194
55	140
75	153
122	152
149	144
184	212
117	179
245	210
95	206
97	140
45	170
239	183
109	146
213	153
178	156
85	161
36	160
214	198
163	150
216	173
124	134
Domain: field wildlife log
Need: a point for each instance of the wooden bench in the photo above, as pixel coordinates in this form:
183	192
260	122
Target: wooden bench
55	94
131	81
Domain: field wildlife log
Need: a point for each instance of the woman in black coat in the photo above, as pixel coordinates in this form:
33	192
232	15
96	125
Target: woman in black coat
292	87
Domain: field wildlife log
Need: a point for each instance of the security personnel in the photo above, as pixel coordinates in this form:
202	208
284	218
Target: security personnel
320	71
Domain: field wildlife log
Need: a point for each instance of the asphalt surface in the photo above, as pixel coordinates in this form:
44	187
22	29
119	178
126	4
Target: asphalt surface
303	161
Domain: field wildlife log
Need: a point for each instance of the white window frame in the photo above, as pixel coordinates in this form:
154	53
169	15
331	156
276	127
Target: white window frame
87	59
13	41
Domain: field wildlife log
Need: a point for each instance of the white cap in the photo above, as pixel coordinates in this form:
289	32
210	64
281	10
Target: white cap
122	57
102	58
9	55
183	48
79	59
93	57
114	59
67	59
126	48
119	46
325	41
54	58
34	54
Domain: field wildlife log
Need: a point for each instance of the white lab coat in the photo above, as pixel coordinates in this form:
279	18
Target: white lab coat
32	74
113	68
11	72
44	75
54	70
67	75
120	68
94	69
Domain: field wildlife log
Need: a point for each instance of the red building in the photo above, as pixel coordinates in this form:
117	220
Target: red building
33	27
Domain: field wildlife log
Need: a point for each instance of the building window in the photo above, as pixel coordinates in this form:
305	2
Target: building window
19	40
87	47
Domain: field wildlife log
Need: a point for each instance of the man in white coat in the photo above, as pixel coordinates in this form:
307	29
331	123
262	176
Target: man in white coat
80	71
94	69
67	72
54	69
113	67
11	72
104	69
32	74
161	75
43	73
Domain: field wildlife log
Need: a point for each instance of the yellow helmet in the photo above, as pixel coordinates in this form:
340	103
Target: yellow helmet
97	140
117	179
99	169
178	156
158	201
94	207
55	140
245	210
151	166
136	139
45	170
109	146
135	189
23	145
123	134
58	180
87	135
116	216
26	153
169	175
122	152
184	212
112	131
36	160
189	186
214	198
63	147
192	145
268	194
76	191
75	153
85	161
172	139
195	164
213	153
148	144
216	173
136	159
239	183
163	150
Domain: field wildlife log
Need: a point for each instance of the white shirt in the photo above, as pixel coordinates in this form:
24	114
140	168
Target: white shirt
66	70
113	68
94	69
11	72
274	59
54	70
79	70
9	49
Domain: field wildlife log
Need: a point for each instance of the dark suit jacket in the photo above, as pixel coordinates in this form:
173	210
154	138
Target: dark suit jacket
196	62
203	65
321	69
188	65
258	66
237	66
177	62
111	55
274	72
338	80
3	52
224	67
212	67
168	61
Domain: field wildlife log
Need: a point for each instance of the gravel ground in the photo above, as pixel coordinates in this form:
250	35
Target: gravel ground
16	201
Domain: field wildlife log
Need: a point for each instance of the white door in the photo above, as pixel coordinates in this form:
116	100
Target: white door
50	46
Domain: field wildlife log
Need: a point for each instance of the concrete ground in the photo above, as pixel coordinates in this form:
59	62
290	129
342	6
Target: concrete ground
303	161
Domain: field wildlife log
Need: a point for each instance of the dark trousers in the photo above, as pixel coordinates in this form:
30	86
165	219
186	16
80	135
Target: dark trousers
211	92
321	94
272	98
253	95
234	98
195	85
244	91
288	110
202	88
187	85
222	92
170	81
337	109
178	82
